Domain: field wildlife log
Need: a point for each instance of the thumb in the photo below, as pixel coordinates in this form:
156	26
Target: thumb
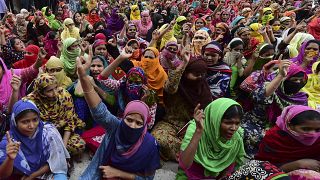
12	72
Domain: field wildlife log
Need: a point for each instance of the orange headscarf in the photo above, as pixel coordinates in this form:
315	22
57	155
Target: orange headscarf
155	73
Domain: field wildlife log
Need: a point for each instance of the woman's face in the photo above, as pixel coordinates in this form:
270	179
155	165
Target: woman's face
50	92
74	46
149	54
225	16
308	126
238	48
211	58
134	120
218	14
18	45
219	30
245	36
228	127
196	76
101	50
96	68
199	24
132	31
28	124
268	53
173	48
54	71
93	13
41	22
78	18
164	13
60	10
312	50
99	28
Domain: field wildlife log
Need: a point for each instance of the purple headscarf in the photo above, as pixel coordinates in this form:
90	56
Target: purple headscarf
299	59
115	22
166	55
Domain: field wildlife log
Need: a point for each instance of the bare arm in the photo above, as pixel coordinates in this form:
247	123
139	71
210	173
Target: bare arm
6	168
15	84
275	83
43	170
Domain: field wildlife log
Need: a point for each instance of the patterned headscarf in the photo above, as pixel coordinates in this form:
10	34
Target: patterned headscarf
198	43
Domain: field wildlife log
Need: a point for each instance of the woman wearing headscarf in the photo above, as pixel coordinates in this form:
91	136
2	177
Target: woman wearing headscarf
213	144
37	28
127	150
312	88
292	144
135	13
267	16
37	150
93	17
272	93
53	23
54	67
156	75
70	51
199	39
168	56
254	27
296	43
26	75
51	44
218	73
264	54
115	22
198	24
144	24
69	30
308	54
91	4
168	35
234	58
56	106
177	28
157	23
185	88
250	43
31	56
21	27
314	28
222	34
82	24
66	13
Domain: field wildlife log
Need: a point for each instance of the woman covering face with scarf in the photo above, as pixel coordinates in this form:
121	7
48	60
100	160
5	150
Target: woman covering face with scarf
275	92
69	30
312	88
135	13
199	39
168	56
127	147
70	51
267	16
54	67
31	56
292	144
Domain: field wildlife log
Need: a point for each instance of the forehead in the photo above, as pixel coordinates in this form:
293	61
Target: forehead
97	61
135	116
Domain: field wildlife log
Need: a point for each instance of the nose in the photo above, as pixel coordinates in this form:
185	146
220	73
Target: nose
95	68
234	127
32	125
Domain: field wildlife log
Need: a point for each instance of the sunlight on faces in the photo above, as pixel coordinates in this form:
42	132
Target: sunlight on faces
134	120
28	123
96	67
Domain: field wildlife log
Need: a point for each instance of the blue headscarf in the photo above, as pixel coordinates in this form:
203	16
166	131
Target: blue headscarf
236	21
34	151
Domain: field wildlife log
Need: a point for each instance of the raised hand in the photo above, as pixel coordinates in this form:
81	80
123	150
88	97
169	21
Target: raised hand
199	117
12	148
15	82
262	30
126	52
186	54
113	41
80	68
156	34
43	53
283	66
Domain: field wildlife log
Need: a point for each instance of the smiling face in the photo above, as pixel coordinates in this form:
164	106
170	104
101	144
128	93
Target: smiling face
28	123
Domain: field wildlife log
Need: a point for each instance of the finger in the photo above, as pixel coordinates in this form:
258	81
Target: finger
197	107
12	71
280	57
101	167
8	137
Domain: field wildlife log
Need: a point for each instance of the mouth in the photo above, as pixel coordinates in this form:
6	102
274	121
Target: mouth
229	135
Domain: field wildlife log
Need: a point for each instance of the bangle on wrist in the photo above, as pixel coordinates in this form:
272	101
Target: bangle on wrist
87	92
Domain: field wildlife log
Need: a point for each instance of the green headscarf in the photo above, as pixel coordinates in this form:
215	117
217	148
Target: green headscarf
177	29
53	23
69	57
213	153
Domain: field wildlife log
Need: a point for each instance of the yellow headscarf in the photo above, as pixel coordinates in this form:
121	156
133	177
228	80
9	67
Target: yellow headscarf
155	73
67	33
63	80
312	88
91	4
254	33
167	37
135	13
296	42
198	43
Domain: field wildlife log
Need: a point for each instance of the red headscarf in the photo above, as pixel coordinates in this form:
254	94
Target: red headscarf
28	60
92	19
280	146
314	28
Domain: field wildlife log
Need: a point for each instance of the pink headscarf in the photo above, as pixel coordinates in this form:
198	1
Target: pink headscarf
144	25
141	108
5	87
285	118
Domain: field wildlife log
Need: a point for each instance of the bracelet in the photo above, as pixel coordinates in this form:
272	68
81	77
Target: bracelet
87	92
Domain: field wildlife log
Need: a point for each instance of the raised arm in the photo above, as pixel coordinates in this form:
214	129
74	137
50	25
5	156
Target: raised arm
15	85
275	83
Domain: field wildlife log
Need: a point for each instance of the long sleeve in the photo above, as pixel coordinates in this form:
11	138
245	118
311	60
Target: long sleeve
111	83
171	85
102	115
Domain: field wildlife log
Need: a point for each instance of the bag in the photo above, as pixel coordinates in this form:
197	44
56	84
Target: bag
93	137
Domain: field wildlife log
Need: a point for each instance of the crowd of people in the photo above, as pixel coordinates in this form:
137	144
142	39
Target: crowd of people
228	89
